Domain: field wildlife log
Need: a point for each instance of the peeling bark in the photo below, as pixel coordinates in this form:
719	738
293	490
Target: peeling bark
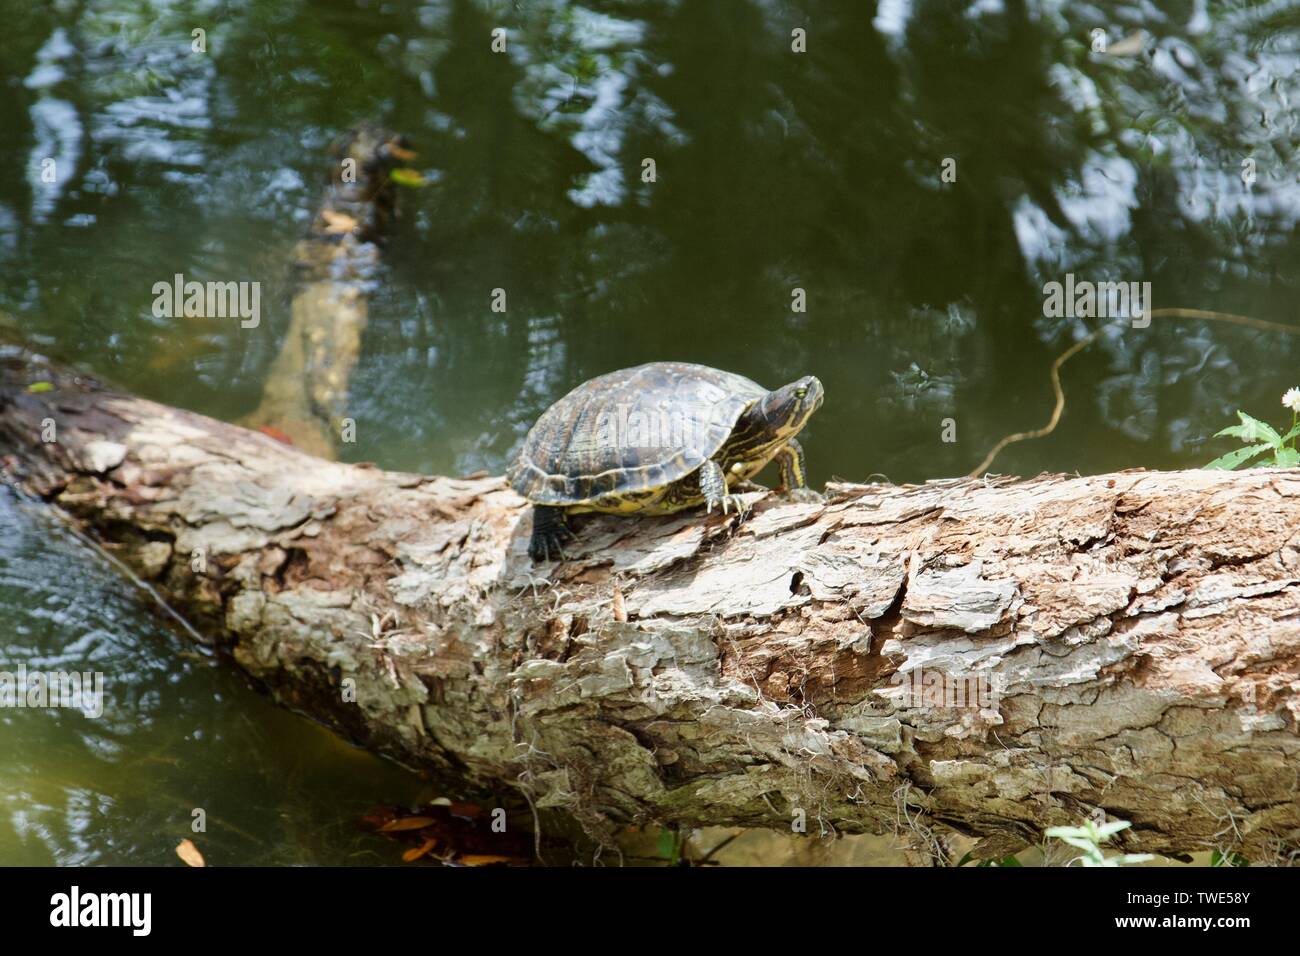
992	656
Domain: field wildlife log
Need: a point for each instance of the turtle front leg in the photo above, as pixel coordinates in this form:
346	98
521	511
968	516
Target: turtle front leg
794	473
713	482
550	532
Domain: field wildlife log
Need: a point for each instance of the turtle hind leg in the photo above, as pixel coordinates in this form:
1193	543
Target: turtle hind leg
713	483
550	532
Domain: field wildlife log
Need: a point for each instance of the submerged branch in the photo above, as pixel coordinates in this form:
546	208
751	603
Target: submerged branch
306	389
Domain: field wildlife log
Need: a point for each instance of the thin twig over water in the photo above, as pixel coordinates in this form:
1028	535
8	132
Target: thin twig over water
1083	343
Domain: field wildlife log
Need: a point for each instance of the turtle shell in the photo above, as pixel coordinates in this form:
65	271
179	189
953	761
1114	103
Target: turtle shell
633	430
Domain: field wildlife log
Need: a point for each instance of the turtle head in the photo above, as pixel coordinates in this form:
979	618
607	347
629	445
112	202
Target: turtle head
787	410
769	424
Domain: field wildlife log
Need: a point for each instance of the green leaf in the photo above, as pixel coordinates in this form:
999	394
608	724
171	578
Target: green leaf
1110	829
1235	459
37	387
1229	859
1255	430
1234	431
406	177
1062	832
1082	843
1286	457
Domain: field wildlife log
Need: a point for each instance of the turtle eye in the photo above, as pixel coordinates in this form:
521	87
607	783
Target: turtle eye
801	391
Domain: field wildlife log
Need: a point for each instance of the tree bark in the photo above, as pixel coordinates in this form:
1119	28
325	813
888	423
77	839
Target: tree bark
991	656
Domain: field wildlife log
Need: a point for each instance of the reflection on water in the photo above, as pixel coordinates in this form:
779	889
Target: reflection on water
773	171
177	733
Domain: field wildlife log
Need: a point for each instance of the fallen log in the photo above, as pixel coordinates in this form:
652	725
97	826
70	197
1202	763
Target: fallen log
990	656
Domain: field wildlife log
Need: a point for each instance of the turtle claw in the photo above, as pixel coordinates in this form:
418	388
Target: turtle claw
550	532
727	502
542	546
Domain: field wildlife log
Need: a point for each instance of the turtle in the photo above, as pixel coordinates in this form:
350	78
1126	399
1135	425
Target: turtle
657	439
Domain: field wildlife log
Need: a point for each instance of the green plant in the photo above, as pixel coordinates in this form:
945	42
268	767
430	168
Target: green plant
1089	838
1230	858
1009	860
1261	438
672	846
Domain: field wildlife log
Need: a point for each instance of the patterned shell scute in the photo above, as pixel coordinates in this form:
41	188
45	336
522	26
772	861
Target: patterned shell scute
632	430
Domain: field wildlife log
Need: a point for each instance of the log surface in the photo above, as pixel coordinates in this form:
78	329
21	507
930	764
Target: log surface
991	656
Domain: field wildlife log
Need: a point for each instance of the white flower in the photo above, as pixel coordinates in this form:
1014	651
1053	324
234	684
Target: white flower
1291	399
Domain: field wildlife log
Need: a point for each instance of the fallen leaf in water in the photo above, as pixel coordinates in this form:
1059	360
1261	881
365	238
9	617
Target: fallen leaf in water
462	831
406	177
410	856
37	387
1131	45
484	859
407	823
337	222
188	852
378	816
275	433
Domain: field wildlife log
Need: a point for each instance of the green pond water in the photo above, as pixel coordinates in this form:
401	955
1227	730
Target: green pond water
775	171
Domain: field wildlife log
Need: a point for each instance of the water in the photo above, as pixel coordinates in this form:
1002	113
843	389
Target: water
177	733
775	171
